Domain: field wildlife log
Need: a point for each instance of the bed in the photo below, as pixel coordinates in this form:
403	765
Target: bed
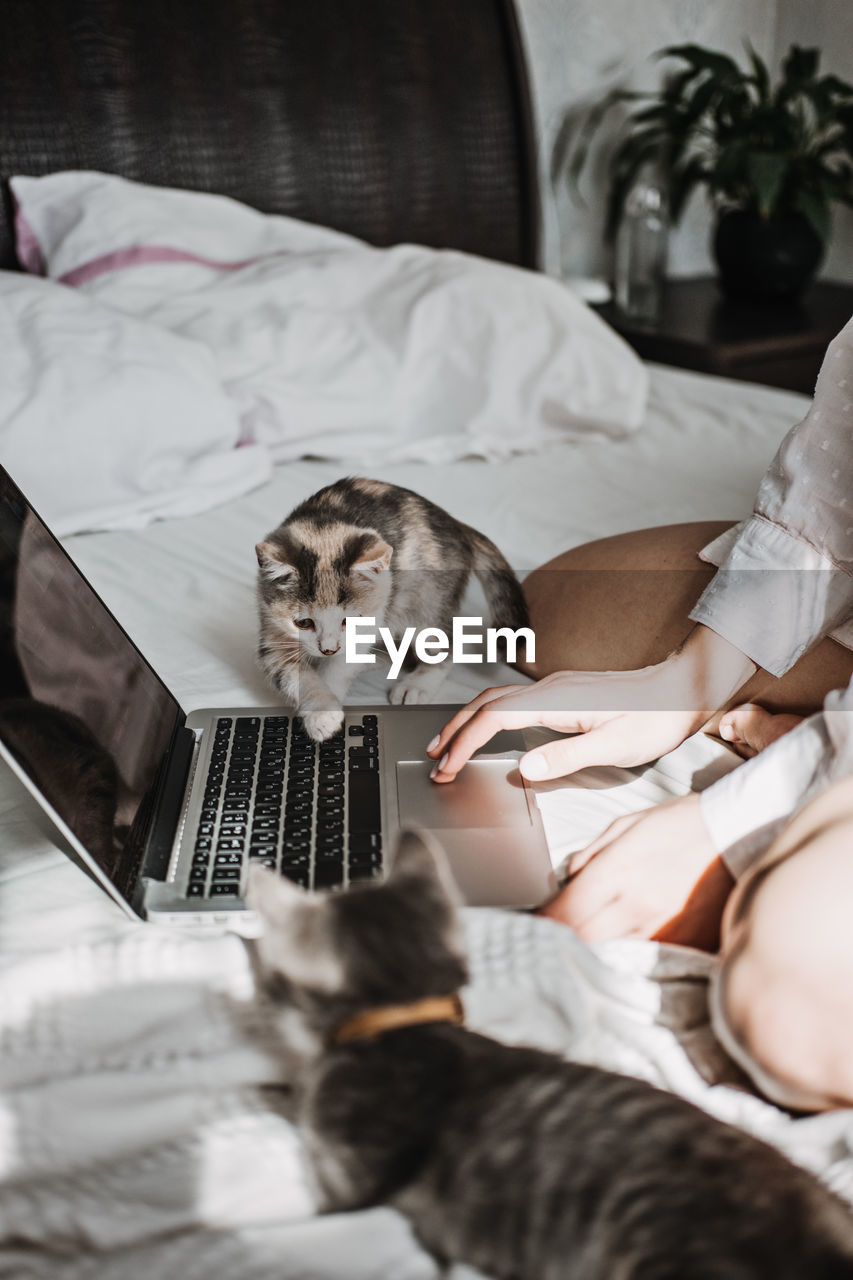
142	1125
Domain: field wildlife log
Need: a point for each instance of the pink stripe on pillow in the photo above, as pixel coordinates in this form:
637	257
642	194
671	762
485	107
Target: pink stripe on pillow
143	256
27	247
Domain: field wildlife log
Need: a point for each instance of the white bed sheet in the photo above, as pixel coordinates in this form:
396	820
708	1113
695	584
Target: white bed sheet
138	1131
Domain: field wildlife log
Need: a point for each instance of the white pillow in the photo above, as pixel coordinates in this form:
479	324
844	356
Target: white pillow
107	422
334	348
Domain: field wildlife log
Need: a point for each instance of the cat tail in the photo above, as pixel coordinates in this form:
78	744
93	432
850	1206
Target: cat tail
501	586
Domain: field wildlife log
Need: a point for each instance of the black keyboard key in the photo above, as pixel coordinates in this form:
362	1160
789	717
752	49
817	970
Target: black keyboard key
228	860
224	890
198	873
363	766
356	730
361	843
203	843
330	827
363	871
221	874
365	720
231	829
328	875
228	843
364	808
195	890
300	876
264	822
224	722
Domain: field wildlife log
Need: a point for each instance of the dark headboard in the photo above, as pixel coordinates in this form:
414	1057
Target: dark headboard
390	119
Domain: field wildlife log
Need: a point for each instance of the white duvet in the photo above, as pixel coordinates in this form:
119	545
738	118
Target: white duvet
140	1126
327	346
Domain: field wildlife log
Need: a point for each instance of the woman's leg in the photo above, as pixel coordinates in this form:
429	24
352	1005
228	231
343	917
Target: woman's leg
620	603
782	998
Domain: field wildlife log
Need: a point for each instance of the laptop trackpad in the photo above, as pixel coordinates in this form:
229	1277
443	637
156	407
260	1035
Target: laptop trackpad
487	793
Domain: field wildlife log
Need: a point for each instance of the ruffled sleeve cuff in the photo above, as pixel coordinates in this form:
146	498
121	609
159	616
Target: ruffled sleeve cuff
773	596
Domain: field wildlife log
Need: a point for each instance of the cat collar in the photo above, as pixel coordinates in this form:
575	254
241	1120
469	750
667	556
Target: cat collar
372	1022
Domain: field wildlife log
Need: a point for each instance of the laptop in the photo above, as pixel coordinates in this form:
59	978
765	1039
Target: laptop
166	810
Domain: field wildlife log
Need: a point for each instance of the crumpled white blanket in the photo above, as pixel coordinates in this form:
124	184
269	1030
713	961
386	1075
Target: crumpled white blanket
329	347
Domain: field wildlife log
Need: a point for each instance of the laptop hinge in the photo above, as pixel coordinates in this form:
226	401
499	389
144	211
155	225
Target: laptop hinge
161	838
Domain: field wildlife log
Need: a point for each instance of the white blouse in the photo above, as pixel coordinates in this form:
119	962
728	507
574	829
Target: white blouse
784	582
784	579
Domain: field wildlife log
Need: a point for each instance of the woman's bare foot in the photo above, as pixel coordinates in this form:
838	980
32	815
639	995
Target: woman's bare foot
749	728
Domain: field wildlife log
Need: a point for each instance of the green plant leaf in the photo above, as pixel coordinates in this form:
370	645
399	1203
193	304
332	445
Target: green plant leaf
766	171
760	74
816	210
798	67
685	178
574	137
705	59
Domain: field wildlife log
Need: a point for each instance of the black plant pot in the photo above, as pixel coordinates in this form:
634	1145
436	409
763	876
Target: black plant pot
766	258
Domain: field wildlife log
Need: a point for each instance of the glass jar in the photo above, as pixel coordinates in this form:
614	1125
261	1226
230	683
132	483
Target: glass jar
641	242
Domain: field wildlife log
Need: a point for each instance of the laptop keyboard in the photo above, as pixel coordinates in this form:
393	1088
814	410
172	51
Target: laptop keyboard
272	795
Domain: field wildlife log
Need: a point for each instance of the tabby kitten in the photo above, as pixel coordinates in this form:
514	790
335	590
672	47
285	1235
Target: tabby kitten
365	548
510	1159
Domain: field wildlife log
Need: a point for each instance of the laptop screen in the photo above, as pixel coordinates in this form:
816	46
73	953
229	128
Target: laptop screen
81	710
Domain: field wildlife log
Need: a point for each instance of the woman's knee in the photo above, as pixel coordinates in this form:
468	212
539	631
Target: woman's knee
618	603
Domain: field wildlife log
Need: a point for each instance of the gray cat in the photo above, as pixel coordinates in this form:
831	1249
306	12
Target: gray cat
363	547
510	1159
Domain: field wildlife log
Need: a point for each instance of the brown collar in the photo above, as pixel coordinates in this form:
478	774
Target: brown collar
372	1022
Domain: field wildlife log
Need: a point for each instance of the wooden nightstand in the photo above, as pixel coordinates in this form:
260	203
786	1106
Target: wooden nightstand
780	343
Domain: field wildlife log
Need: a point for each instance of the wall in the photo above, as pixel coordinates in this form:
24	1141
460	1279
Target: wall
578	49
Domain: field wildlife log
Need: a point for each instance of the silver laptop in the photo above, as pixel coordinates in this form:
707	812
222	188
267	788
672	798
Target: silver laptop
167	810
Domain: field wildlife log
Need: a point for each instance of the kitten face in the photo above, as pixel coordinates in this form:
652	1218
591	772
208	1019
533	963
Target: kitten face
308	592
324	956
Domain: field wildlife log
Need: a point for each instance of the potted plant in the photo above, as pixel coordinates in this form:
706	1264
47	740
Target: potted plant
773	158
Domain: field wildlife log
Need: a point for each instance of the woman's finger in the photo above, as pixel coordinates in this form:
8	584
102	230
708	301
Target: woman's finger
439	743
600	744
483	725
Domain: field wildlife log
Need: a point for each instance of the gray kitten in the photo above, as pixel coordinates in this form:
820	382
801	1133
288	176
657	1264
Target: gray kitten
365	548
510	1159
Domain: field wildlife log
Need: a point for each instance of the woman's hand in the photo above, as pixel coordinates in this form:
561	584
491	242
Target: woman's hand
653	874
621	717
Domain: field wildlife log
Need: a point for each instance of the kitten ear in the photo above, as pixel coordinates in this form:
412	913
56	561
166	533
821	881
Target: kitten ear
295	941
374	560
271	564
418	857
270	895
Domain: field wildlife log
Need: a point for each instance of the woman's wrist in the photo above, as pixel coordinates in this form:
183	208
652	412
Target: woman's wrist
704	674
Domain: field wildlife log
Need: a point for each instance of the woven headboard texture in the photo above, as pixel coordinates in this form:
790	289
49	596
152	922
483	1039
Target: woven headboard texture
394	120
